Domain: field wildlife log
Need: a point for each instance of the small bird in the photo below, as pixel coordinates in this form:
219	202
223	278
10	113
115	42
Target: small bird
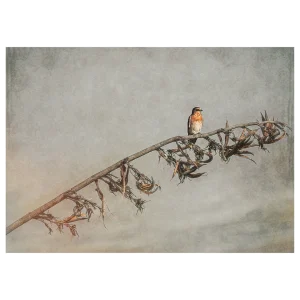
195	122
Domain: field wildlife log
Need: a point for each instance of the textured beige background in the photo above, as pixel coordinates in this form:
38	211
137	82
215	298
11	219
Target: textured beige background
74	112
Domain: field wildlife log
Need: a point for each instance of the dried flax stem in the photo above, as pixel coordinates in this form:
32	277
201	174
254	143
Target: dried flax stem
265	125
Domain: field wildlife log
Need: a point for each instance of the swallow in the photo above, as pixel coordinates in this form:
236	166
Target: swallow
195	122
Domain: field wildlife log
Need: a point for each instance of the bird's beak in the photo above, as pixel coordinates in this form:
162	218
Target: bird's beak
201	109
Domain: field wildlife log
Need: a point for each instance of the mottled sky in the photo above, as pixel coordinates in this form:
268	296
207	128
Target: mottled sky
72	112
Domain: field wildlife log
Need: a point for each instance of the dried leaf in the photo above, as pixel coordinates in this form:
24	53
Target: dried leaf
266	116
175	170
242	136
244	156
220	138
278	139
195	175
246	152
123	177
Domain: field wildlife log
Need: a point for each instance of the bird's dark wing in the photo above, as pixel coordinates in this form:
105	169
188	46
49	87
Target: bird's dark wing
189	125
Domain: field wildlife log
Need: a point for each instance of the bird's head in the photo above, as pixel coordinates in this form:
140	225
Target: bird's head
196	109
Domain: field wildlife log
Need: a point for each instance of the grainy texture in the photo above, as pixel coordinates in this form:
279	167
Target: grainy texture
73	112
120	164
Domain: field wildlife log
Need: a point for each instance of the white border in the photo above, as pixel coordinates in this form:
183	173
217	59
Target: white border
163	253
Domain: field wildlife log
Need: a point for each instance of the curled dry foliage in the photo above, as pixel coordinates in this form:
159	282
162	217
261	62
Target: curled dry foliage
81	204
185	167
228	142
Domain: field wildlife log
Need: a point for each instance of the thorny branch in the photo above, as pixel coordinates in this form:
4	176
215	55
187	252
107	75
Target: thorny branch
186	159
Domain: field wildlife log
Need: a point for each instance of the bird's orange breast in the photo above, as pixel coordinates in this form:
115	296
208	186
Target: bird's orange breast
196	117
